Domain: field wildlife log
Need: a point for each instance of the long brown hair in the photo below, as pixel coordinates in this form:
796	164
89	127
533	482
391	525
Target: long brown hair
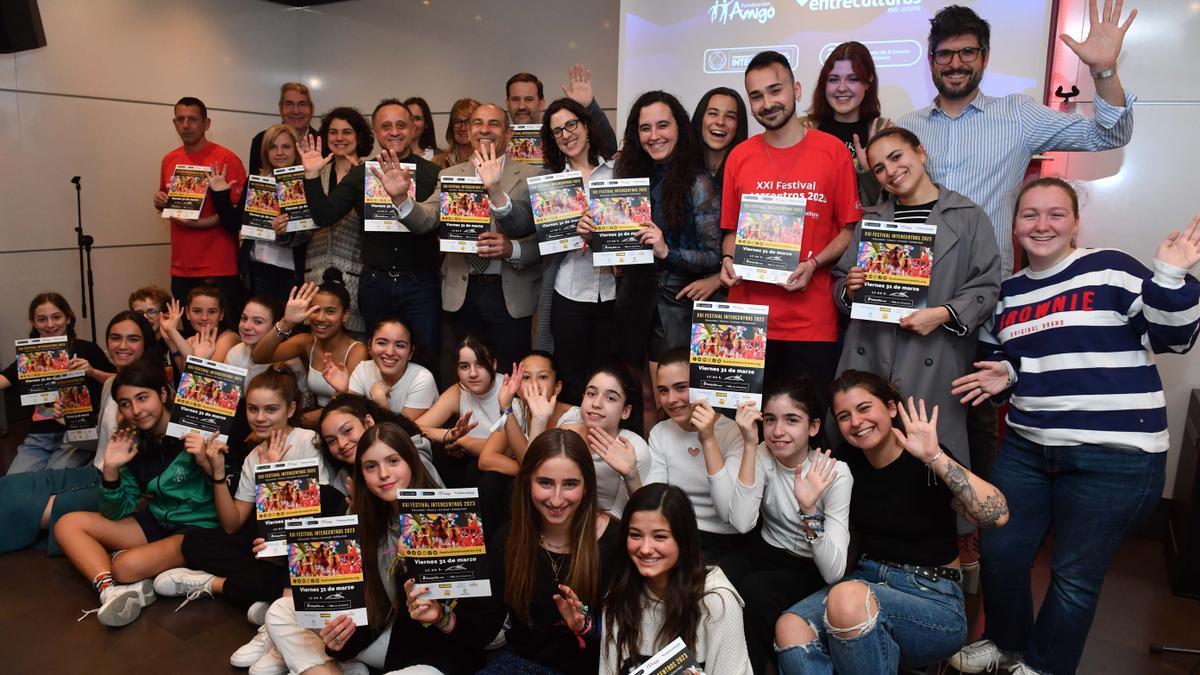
864	67
376	515
524	539
56	299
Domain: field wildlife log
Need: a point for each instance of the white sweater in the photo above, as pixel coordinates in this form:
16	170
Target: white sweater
720	638
678	459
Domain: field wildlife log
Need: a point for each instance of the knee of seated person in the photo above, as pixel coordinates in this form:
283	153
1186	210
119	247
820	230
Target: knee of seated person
281	612
70	523
791	630
850	609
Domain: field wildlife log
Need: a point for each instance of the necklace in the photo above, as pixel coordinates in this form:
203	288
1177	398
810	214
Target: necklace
556	563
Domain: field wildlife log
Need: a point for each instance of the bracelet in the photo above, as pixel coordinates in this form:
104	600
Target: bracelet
726	256
215	481
935	458
816	263
813	525
506	411
1104	74
281	333
447	616
446	435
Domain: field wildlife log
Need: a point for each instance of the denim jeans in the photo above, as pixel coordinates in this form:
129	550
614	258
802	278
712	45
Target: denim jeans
1093	497
41	451
920	622
416	299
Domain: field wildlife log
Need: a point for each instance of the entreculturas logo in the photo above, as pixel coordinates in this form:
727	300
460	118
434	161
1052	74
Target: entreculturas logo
724	11
835	5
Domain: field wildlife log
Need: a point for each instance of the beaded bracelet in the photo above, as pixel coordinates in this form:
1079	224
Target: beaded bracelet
813	524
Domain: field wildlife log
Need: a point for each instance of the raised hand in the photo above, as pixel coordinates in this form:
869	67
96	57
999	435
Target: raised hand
1181	249
335	633
461	428
704	418
821	474
748	418
511	386
204	342
877	125
299	305
701	289
423	609
579	88
171	316
394	178
216	178
310	156
120	450
651	236
616	452
336	373
488	165
1100	49
990	379
919	437
538	400
274	448
572	610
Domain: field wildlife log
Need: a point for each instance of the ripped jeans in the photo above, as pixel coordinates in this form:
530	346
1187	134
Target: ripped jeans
920	622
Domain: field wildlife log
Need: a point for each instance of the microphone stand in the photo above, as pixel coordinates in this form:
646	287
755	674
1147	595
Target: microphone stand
87	291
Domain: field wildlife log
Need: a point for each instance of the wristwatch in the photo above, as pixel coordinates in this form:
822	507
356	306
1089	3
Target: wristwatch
1104	74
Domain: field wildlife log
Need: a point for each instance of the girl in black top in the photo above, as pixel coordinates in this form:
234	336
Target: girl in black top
550	561
907	489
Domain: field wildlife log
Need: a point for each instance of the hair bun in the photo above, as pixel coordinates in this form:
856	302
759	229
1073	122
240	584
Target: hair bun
333	275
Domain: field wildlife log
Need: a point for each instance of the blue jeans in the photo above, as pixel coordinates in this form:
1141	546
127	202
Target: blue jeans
415	299
920	622
47	451
1093	497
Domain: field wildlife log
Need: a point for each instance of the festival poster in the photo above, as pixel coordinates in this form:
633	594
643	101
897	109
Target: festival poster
728	353
465	212
769	231
525	143
284	490
442	535
289	185
325	562
262	205
674	659
619	207
898	261
207	398
40	361
558	200
76	402
186	192
379	213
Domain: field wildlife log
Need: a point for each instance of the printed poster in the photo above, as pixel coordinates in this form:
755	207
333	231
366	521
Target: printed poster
292	200
619	207
442	535
186	192
525	143
325	563
284	490
558	201
379	214
262	205
728	353
465	213
898	261
674	659
769	233
207	399
40	362
76	401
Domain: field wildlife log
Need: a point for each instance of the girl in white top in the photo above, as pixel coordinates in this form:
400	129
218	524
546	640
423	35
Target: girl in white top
390	378
258	316
620	455
529	400
661	590
803	498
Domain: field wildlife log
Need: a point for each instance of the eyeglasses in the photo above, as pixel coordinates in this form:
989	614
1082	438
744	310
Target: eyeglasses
966	54
571	126
460	123
148	312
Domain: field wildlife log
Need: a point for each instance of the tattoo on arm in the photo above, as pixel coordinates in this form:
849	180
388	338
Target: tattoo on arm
986	513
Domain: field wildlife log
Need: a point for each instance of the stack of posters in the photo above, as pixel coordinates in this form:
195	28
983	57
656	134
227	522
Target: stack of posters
284	490
76	401
262	205
40	362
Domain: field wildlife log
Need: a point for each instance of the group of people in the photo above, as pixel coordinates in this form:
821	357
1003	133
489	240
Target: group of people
618	514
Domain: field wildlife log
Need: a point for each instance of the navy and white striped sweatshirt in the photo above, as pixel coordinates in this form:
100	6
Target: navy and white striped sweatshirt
1082	336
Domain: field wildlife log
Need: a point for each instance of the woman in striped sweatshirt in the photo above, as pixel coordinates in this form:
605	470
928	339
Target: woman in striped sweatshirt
1086	440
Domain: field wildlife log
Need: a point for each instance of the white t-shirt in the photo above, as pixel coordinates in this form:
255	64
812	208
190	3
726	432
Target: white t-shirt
415	388
678	459
239	355
303	444
611	495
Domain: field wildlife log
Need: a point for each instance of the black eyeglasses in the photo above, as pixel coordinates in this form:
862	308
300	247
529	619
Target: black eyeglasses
572	125
966	54
148	312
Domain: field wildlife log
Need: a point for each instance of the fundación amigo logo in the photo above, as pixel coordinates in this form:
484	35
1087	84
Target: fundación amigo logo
724	11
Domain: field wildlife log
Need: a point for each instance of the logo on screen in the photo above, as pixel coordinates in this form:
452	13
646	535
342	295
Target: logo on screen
833	5
724	11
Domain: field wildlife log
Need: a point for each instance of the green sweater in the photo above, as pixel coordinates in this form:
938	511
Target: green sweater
178	491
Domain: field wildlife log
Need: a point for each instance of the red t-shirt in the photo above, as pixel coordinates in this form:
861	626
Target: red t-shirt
819	169
211	251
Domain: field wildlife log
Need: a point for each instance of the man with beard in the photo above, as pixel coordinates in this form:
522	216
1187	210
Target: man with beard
788	159
525	97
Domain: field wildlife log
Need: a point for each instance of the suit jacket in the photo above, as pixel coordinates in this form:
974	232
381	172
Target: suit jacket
520	279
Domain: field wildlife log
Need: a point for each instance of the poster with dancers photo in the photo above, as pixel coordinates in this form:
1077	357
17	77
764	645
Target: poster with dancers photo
186	192
525	143
674	659
292	200
206	399
619	207
284	490
442	534
325	564
465	213
78	411
770	230
379	214
558	200
262	205
728	353
898	261
40	362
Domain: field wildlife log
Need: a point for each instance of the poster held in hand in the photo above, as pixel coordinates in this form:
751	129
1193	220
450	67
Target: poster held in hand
558	200
40	362
728	353
262	205
206	399
77	407
292	199
465	212
898	261
325	563
442	536
525	143
282	491
379	213
674	659
770	230
619	207
186	192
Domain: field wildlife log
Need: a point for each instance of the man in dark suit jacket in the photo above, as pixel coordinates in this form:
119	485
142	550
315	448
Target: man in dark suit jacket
295	109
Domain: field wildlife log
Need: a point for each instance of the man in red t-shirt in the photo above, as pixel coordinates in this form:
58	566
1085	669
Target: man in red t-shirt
788	159
202	248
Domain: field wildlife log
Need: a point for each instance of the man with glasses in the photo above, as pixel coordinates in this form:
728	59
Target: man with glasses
295	110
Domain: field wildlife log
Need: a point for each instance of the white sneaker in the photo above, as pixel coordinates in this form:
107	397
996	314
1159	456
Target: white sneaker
982	656
121	604
270	663
1019	668
249	654
257	614
183	581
